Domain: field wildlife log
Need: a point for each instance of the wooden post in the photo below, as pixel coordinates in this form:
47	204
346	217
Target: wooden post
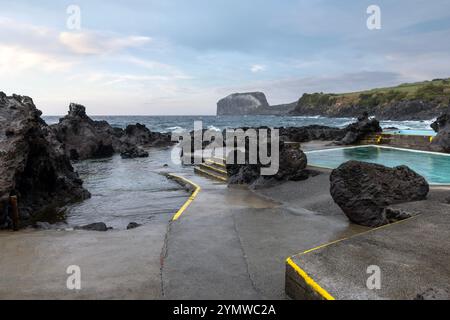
1	210
15	212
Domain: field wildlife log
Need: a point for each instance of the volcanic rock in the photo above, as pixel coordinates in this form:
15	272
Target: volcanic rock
98	226
132	152
242	104
31	166
133	225
292	165
364	191
441	142
358	130
83	138
138	134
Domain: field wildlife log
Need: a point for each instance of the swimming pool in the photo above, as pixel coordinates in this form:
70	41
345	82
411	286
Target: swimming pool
428	133
435	167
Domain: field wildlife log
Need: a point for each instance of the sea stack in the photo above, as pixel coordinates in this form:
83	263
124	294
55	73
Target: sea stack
242	104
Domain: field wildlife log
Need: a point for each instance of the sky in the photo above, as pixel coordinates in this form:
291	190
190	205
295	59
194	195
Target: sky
178	57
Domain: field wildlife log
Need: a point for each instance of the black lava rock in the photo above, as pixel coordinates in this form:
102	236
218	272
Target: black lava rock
364	191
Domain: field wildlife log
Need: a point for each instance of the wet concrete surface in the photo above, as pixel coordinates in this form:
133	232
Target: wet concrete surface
232	243
413	256
114	264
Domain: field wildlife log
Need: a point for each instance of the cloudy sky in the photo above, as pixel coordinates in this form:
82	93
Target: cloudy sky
179	57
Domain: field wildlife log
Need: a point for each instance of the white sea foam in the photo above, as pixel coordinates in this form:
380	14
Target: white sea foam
213	128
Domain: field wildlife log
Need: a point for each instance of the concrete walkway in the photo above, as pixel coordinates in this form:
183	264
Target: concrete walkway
412	257
114	264
232	243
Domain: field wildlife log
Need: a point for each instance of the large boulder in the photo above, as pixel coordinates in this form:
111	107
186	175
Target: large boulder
441	142
31	166
242	104
138	134
132	152
364	191
358	130
292	166
97	226
83	138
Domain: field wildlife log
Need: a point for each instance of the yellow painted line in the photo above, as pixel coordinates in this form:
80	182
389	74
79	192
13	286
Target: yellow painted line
316	287
220	159
358	234
323	246
213	168
309	281
191	198
211	175
379	139
216	163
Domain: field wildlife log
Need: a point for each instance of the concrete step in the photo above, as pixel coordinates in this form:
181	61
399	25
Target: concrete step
210	173
217	164
213	167
218	159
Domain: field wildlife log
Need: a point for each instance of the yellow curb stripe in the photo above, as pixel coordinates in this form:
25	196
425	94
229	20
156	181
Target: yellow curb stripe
210	174
216	163
358	234
309	281
213	168
317	288
191	198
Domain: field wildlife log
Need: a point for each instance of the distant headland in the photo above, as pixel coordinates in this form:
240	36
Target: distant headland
409	101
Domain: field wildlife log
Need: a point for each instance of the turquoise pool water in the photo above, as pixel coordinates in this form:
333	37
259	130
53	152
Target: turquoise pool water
430	133
433	166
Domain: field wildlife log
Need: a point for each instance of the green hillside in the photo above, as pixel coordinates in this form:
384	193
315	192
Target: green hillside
438	89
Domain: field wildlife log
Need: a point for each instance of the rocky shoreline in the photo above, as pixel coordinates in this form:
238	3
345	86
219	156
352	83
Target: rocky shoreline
33	166
35	159
397	110
83	138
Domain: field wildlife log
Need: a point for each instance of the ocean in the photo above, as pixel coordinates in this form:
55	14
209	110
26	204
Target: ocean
133	190
177	123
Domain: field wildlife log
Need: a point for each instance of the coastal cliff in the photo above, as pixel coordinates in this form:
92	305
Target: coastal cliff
410	101
415	101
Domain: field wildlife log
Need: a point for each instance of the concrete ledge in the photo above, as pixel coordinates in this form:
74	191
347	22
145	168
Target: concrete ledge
412	256
407	141
300	284
196	189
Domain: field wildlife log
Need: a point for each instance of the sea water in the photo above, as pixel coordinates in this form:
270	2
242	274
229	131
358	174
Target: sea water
176	123
133	190
435	167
